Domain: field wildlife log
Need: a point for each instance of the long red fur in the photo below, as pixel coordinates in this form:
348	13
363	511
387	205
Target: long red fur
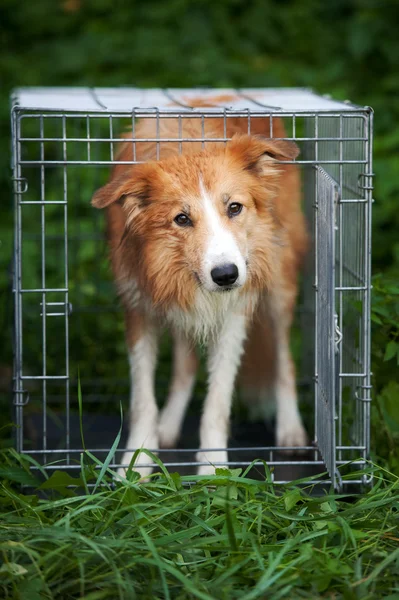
142	200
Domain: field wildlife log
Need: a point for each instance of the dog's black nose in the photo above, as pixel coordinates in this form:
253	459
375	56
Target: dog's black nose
225	275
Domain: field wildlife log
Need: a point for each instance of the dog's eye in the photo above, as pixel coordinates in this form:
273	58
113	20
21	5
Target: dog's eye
234	209
182	220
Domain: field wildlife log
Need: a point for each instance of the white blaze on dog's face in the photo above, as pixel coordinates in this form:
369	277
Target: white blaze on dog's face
202	220
224	262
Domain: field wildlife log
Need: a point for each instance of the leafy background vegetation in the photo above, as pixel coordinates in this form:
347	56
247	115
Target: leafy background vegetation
84	547
349	49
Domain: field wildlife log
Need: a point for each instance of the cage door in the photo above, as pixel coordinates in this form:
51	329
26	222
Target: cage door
327	194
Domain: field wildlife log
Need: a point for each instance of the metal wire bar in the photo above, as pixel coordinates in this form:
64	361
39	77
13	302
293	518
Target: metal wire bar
32	163
66	294
193	450
181	138
27	112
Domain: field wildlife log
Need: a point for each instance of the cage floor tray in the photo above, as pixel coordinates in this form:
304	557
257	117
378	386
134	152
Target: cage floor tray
247	443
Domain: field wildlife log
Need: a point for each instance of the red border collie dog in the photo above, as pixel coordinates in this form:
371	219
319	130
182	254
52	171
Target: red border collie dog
207	241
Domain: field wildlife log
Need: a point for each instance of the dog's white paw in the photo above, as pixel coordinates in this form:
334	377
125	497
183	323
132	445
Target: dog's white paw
211	462
143	464
291	434
144	471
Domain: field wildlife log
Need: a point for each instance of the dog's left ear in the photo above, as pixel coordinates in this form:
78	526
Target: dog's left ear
259	155
132	185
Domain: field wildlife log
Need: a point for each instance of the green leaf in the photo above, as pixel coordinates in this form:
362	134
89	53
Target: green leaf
392	289
13	569
327	507
391	350
176	478
60	481
323	582
291	499
319	525
375	319
389	401
222	472
19	475
31	589
381	310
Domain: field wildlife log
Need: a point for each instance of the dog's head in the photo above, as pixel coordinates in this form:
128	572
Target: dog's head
201	220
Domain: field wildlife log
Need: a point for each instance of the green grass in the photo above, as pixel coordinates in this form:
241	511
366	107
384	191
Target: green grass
222	537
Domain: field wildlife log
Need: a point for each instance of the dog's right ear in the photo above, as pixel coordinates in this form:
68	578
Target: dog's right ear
134	183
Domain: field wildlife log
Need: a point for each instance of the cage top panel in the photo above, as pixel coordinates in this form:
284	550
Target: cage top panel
124	99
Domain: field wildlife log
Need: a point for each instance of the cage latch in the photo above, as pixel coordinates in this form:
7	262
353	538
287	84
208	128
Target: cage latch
338	334
56	309
20	185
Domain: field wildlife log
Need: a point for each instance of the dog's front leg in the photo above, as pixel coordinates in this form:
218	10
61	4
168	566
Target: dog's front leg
183	378
143	418
223	361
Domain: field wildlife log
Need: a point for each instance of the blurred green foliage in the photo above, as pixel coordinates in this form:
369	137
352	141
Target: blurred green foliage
346	48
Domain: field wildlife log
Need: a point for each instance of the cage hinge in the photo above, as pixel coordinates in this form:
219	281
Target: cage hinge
22	393
365	395
338	334
367	179
20	185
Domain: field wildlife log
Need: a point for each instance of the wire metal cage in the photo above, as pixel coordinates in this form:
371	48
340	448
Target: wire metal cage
67	317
